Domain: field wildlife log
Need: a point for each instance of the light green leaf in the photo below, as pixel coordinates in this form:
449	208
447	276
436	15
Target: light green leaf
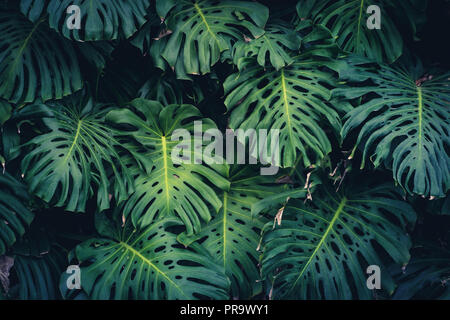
148	264
170	189
293	100
232	237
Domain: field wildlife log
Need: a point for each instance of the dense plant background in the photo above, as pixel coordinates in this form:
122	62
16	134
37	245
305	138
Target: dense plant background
86	116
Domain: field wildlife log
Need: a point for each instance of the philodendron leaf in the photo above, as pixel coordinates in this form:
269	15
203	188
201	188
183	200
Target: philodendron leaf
78	155
202	30
99	20
232	237
278	44
347	20
404	123
15	217
148	264
35	62
323	247
293	100
171	188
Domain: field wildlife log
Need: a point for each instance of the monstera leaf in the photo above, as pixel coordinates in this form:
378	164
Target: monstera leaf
203	29
148	264
276	44
404	121
100	20
292	100
14	215
232	237
77	154
34	61
322	247
347	20
171	188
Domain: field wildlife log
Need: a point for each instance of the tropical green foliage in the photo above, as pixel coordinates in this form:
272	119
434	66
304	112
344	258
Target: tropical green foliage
150	264
14	211
79	151
234	233
169	188
93	120
102	20
409	129
319	241
35	61
347	21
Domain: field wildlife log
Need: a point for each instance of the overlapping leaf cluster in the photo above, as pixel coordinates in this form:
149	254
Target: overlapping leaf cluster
87	117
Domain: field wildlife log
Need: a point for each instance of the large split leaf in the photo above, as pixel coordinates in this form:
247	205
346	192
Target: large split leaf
232	237
15	217
322	248
403	124
277	45
34	61
100	19
293	100
203	29
347	20
76	156
148	264
171	188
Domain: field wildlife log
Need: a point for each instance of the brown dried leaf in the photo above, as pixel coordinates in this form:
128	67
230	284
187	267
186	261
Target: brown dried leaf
284	179
163	34
278	217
